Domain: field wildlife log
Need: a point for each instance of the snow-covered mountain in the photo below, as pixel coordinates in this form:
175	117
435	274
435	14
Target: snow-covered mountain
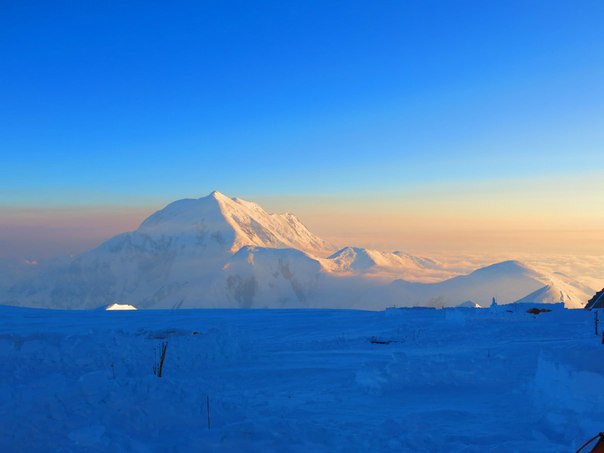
180	256
507	282
223	224
218	251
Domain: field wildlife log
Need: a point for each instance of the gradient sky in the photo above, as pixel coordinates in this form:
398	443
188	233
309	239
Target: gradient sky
418	125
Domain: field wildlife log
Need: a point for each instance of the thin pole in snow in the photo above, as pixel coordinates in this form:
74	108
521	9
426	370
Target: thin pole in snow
208	407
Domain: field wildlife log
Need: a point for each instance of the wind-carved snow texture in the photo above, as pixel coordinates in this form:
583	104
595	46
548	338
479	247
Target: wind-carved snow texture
242	290
218	251
400	380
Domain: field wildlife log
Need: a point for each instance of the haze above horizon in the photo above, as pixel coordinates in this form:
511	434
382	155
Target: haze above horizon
423	126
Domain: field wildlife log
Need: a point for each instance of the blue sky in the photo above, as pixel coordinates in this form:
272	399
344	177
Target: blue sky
137	103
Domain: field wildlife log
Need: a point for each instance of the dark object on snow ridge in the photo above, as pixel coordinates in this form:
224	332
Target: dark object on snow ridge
597	301
598	448
376	340
536	311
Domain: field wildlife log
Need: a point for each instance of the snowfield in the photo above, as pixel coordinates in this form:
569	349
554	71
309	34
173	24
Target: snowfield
412	380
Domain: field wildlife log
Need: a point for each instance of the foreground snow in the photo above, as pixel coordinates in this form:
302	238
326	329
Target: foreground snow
300	380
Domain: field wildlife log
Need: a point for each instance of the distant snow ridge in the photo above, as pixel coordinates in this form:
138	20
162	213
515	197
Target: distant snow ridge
385	266
361	259
221	252
508	282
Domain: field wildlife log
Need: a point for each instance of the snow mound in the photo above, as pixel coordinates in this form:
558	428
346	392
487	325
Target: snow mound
469	304
120	307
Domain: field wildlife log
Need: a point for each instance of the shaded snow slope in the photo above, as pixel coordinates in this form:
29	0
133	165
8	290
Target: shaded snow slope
408	380
280	278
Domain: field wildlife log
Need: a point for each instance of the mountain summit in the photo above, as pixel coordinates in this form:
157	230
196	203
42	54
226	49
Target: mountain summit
231	223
